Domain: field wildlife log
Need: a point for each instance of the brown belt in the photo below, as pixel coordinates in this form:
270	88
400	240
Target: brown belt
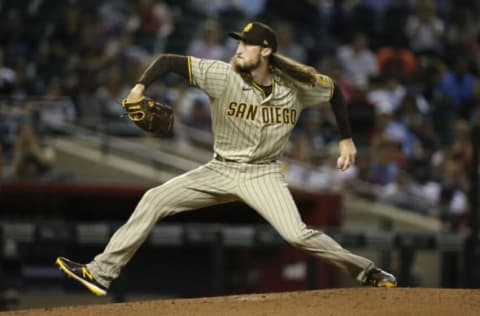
220	158
223	159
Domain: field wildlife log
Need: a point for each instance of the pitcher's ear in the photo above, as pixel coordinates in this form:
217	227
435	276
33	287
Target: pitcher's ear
266	51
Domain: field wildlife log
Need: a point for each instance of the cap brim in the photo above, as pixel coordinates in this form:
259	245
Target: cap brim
237	36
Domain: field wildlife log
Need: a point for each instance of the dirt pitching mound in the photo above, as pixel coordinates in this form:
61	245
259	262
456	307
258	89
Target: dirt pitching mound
352	301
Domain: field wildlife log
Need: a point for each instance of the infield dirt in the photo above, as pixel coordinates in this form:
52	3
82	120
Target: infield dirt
351	301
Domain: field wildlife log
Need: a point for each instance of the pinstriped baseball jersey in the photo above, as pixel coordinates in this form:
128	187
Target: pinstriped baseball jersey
247	125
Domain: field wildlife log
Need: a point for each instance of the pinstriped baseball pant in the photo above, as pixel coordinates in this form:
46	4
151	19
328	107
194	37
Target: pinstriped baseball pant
261	186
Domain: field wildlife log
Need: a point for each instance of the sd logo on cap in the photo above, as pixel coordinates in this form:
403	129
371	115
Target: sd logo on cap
257	33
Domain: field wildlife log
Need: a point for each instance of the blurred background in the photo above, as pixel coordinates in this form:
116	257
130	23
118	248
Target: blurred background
72	169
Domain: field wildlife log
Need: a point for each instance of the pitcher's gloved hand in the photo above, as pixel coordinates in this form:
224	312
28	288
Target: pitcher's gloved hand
149	115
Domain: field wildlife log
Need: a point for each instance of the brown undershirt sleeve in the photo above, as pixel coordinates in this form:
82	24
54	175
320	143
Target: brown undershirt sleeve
339	106
163	64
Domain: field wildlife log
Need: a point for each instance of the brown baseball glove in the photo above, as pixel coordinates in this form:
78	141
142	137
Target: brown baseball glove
149	115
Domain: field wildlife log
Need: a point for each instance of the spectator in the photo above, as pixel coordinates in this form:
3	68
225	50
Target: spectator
208	45
231	14
364	19
109	96
123	52
415	115
394	21
308	143
387	127
7	76
425	29
458	85
91	53
111	91
302	13
67	30
447	196
339	17
31	161
299	168
114	13
56	110
199	117
151	23
88	105
396	61
205	8
461	34
427	77
358	60
124	48
26	84
461	146
251	9
382	169
388	96
308	150
405	193
55	53
16	38
413	112
287	44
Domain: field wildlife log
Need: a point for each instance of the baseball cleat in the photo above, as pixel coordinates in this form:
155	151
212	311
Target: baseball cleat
80	273
376	277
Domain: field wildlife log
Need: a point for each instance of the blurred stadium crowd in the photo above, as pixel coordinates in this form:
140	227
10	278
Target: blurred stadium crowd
410	71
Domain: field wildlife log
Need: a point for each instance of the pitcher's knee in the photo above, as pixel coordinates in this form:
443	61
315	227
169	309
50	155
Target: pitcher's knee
156	200
296	239
149	196
151	200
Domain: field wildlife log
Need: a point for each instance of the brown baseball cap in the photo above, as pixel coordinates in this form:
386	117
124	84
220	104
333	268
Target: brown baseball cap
257	33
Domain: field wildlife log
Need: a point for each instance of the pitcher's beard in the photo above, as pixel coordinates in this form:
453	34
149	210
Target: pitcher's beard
245	68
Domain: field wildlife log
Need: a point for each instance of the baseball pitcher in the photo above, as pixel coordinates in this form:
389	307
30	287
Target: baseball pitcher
256	100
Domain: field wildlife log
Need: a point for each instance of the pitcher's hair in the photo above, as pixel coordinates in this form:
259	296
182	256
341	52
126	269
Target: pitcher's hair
294	69
286	67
